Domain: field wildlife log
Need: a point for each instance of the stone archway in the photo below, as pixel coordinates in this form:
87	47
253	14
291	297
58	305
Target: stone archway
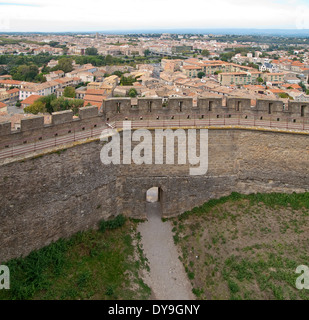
153	195
154	199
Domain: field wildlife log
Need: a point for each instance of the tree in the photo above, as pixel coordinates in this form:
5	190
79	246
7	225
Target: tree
132	93
3	71
226	56
25	73
65	64
18	104
91	51
108	59
75	104
260	80
253	65
35	108
201	75
302	85
40	78
117	73
53	43
46	69
146	52
69	92
62	104
307	92
127	81
205	53
47	100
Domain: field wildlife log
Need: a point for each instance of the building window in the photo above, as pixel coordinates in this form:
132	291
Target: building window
180	106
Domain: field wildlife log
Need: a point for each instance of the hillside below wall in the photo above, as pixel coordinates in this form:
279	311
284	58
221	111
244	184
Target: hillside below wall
56	195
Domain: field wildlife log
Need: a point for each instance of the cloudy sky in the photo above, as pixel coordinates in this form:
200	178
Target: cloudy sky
107	15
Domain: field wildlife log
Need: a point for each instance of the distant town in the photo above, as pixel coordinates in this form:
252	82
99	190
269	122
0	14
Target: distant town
45	73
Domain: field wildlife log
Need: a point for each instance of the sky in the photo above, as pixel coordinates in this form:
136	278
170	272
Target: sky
107	15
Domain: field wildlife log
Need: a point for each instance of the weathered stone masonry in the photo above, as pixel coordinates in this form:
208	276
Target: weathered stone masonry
45	198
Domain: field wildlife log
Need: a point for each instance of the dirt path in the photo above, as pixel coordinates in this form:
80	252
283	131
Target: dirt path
167	278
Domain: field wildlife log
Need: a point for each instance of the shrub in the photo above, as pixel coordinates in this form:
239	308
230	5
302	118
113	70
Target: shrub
233	286
118	222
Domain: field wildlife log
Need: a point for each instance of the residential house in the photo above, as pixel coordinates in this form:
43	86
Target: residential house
291	78
30	100
94	97
299	96
67	82
55	75
9	96
80	92
293	86
100	85
238	78
191	71
11	83
41	89
112	81
52	63
269	67
275	79
3	108
6	77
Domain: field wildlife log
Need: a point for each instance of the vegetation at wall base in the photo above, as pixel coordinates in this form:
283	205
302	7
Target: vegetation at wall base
89	265
245	247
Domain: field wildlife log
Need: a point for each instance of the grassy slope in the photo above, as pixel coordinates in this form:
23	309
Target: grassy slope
237	247
91	265
245	247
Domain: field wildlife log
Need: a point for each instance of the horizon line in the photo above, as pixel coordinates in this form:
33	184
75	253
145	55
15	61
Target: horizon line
143	30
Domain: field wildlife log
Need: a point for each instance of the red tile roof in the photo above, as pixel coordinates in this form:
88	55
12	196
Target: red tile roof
294	86
89	97
276	91
97	92
31	99
13	91
12	82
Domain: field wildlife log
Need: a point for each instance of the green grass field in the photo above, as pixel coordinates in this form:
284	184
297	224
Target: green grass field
245	247
104	264
236	247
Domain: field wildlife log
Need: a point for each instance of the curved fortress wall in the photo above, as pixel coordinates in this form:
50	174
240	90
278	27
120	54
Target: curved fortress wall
45	198
205	107
33	130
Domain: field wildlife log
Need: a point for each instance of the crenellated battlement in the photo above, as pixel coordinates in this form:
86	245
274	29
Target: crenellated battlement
33	129
205	106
